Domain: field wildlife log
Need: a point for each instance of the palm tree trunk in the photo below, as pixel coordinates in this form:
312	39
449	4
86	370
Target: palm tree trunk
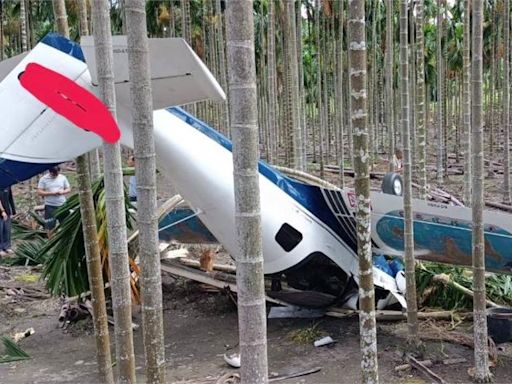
244	125
412	309
93	156
292	75
482	373
94	270
506	105
320	85
446	91
1	30
467	105
271	72
92	252
144	145
359	114
302	94
389	83
23	21
84	25
440	96
339	105
219	34
61	19
420	101
412	89
186	30
118	250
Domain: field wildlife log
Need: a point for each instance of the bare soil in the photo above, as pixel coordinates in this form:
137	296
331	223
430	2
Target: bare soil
199	328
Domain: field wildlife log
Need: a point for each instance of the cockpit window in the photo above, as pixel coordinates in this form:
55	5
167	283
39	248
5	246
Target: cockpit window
288	237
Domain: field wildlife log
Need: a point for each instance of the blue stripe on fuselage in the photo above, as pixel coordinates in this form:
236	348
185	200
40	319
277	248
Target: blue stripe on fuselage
64	45
309	196
13	172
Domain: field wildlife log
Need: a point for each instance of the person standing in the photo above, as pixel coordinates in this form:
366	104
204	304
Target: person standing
53	187
132	186
7	211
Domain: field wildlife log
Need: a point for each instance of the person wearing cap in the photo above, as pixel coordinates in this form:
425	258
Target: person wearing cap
7	211
53	187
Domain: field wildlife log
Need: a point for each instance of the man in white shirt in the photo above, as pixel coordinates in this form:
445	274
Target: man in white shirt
53	187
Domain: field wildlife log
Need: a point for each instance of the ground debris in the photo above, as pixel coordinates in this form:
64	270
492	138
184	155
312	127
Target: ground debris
425	370
430	331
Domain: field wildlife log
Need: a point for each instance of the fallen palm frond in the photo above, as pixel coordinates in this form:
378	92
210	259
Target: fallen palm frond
12	351
63	256
447	287
30	228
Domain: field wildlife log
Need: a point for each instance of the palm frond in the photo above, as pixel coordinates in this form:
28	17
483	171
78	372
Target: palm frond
63	256
12	351
437	295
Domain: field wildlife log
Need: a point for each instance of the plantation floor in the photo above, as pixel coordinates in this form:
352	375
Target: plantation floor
199	328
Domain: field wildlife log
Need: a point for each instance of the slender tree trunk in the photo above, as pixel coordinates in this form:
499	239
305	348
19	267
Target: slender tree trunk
389	83
93	156
440	96
94	271
292	75
219	34
144	145
114	196
1	30
244	125
92	252
359	114
467	105
412	89
23	21
186	30
339	106
302	93
320	105
372	86
482	373
420	101
412	309
272	104
84	25
61	19
506	105
446	91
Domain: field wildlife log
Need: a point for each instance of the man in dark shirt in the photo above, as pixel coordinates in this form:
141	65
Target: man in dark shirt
8	207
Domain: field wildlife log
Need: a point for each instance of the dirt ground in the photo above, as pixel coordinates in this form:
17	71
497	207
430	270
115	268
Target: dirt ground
199	328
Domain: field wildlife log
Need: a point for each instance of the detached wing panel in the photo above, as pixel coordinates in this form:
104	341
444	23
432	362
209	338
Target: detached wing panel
178	76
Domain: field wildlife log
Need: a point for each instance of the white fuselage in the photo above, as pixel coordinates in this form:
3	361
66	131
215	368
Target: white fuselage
199	167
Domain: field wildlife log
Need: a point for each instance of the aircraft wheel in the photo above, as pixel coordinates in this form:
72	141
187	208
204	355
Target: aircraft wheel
392	184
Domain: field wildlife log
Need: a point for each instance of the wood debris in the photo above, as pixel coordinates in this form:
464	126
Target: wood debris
425	370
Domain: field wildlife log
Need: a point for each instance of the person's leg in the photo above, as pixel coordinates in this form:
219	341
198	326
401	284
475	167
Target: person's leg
49	217
2	236
7	233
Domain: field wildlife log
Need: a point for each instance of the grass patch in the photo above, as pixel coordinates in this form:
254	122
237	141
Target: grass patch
307	335
27	277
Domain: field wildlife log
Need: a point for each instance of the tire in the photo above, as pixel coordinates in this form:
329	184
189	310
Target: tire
392	184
